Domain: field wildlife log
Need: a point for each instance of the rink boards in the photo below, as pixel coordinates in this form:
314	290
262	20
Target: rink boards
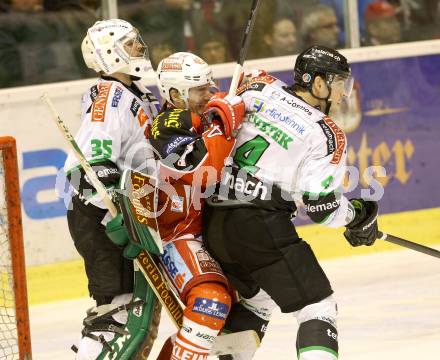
392	122
67	280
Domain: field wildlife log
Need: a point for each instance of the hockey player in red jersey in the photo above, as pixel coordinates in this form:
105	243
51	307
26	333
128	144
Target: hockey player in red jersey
192	135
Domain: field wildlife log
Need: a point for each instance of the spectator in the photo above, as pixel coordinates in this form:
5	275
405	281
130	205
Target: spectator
212	46
282	39
27	5
39	46
382	24
160	51
320	27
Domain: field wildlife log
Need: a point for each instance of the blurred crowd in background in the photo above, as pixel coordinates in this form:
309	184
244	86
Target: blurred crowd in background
40	39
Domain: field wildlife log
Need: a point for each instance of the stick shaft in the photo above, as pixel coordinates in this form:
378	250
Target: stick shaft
244	46
409	244
97	184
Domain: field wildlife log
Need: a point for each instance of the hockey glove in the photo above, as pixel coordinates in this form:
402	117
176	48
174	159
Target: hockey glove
118	234
362	230
227	111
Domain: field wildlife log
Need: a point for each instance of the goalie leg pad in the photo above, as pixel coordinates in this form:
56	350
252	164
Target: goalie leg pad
112	333
317	337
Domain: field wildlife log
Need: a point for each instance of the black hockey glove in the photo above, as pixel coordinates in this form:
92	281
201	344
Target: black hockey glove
363	229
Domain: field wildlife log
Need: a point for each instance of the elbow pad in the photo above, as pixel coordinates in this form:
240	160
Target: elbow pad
320	207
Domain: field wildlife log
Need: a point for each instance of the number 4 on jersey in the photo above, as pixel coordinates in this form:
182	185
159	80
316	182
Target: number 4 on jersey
248	154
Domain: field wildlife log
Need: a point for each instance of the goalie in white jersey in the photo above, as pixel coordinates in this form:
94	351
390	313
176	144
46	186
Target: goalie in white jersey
115	113
287	152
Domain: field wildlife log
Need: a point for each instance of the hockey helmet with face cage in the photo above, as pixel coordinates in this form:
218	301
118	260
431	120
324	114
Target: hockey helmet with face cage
182	71
114	45
325	62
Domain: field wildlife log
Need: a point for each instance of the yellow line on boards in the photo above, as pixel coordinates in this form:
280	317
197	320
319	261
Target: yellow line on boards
67	280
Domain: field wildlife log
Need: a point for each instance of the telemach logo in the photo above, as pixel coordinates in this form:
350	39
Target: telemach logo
322	207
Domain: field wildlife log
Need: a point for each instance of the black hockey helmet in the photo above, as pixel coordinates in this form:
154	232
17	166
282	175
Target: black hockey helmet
319	60
331	65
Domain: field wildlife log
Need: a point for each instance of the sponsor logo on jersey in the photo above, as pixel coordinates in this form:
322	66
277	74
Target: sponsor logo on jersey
210	308
107	172
177	203
142	117
117	96
266	79
204	336
181	353
257	83
173	118
323	207
175	266
331	138
257	189
100	103
257	86
290	100
155	128
273	113
93	92
278	135
206	263
134	107
177	141
335	139
187	329
275	95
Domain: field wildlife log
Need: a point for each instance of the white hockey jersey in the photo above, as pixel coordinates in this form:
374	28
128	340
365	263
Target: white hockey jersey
114	128
286	142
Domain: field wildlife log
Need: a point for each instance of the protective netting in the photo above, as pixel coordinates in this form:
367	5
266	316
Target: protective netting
8	323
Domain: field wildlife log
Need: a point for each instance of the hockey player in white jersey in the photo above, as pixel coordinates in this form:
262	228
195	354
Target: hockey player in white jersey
115	113
287	152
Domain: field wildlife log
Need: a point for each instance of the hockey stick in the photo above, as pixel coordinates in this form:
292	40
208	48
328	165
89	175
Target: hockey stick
244	46
224	344
409	244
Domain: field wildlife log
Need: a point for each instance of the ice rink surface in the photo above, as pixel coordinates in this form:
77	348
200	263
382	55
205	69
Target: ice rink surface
389	308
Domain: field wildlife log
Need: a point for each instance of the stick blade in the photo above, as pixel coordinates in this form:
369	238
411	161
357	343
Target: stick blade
234	343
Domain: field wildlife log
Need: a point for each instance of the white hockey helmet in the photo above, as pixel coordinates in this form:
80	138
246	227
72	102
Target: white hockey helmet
182	71
116	46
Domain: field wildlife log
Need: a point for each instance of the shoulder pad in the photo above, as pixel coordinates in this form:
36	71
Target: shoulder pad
171	119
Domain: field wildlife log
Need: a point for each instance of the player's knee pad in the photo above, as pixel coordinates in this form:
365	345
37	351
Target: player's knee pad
208	304
317	337
249	314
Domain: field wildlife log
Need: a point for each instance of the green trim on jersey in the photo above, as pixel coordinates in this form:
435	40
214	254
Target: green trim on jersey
308	193
322	348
